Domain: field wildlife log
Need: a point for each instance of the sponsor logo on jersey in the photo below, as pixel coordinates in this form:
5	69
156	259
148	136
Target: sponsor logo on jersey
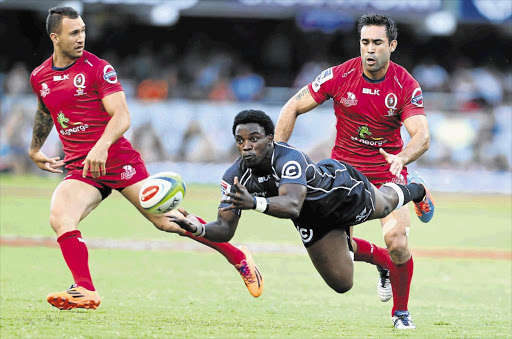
305	233
44	90
128	173
79	82
347	73
364	136
88	62
398	82
370	91
417	97
109	74
391	102
263	179
61	77
350	100
361	217
323	77
37	70
225	188
64	123
291	170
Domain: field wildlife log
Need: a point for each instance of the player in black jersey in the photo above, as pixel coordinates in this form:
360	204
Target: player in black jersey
322	199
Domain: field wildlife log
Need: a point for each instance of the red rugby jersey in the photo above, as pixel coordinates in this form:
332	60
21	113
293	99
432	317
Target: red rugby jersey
368	115
73	97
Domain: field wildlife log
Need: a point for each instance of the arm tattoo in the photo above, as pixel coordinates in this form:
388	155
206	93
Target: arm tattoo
302	93
43	125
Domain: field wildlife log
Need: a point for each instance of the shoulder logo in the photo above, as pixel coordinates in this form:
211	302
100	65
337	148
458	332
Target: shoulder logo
44	90
37	70
417	97
225	188
291	170
347	73
320	79
109	74
350	100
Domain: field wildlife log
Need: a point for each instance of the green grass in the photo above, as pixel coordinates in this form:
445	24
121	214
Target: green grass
198	294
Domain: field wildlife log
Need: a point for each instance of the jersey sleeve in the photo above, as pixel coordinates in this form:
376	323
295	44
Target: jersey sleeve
291	167
413	100
226	186
321	87
106	80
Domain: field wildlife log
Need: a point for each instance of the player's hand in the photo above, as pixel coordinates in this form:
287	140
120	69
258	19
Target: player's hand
47	164
185	220
395	161
241	199
95	161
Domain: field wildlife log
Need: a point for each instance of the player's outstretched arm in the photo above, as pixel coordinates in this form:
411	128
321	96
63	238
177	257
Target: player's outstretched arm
221	230
300	103
43	125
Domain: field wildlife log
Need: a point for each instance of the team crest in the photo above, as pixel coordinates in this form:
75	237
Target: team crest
391	102
350	100
79	82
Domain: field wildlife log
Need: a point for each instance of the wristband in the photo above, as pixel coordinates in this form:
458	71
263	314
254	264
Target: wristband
200	230
261	204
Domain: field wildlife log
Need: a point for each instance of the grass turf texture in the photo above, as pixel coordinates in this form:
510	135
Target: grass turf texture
187	294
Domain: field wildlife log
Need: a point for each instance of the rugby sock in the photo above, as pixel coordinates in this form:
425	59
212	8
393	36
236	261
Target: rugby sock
230	252
400	277
76	256
414	192
371	253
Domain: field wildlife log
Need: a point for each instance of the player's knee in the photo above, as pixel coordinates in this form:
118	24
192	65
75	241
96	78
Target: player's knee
398	249
60	225
343	286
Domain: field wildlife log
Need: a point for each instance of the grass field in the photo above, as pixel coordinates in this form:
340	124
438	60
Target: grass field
198	294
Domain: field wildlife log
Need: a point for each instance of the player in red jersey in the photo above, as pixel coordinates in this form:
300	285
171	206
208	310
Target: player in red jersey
81	95
372	98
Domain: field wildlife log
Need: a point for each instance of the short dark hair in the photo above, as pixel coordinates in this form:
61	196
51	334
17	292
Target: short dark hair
55	16
373	19
254	116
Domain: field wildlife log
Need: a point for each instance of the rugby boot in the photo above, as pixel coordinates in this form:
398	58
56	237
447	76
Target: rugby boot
425	208
74	297
402	320
250	273
384	285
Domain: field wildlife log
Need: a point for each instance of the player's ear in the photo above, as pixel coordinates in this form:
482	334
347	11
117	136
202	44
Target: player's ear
393	45
54	38
270	138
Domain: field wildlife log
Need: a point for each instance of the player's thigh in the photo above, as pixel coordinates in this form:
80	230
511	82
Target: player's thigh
331	258
72	201
395	227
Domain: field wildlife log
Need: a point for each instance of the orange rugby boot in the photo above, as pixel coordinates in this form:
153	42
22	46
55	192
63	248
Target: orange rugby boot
74	297
250	273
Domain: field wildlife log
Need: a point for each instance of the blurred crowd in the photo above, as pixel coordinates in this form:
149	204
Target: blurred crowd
475	98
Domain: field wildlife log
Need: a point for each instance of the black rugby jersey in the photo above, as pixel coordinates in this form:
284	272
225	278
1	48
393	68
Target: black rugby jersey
336	192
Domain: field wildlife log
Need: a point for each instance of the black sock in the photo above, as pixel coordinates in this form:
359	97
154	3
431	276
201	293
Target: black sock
416	191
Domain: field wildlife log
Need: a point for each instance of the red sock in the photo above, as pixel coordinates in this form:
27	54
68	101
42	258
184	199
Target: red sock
76	255
230	252
371	253
400	277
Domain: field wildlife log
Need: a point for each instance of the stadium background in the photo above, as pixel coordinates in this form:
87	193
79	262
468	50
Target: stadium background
188	66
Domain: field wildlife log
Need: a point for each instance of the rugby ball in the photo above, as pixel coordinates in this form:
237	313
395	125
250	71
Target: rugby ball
162	192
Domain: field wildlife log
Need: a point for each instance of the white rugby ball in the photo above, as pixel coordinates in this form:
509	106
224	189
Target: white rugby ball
162	192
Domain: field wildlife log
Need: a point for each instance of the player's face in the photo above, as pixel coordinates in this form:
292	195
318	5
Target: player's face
71	39
253	144
375	51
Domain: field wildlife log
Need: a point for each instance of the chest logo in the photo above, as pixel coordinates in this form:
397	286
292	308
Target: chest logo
350	100
371	91
44	90
61	77
62	120
391	102
79	82
364	136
